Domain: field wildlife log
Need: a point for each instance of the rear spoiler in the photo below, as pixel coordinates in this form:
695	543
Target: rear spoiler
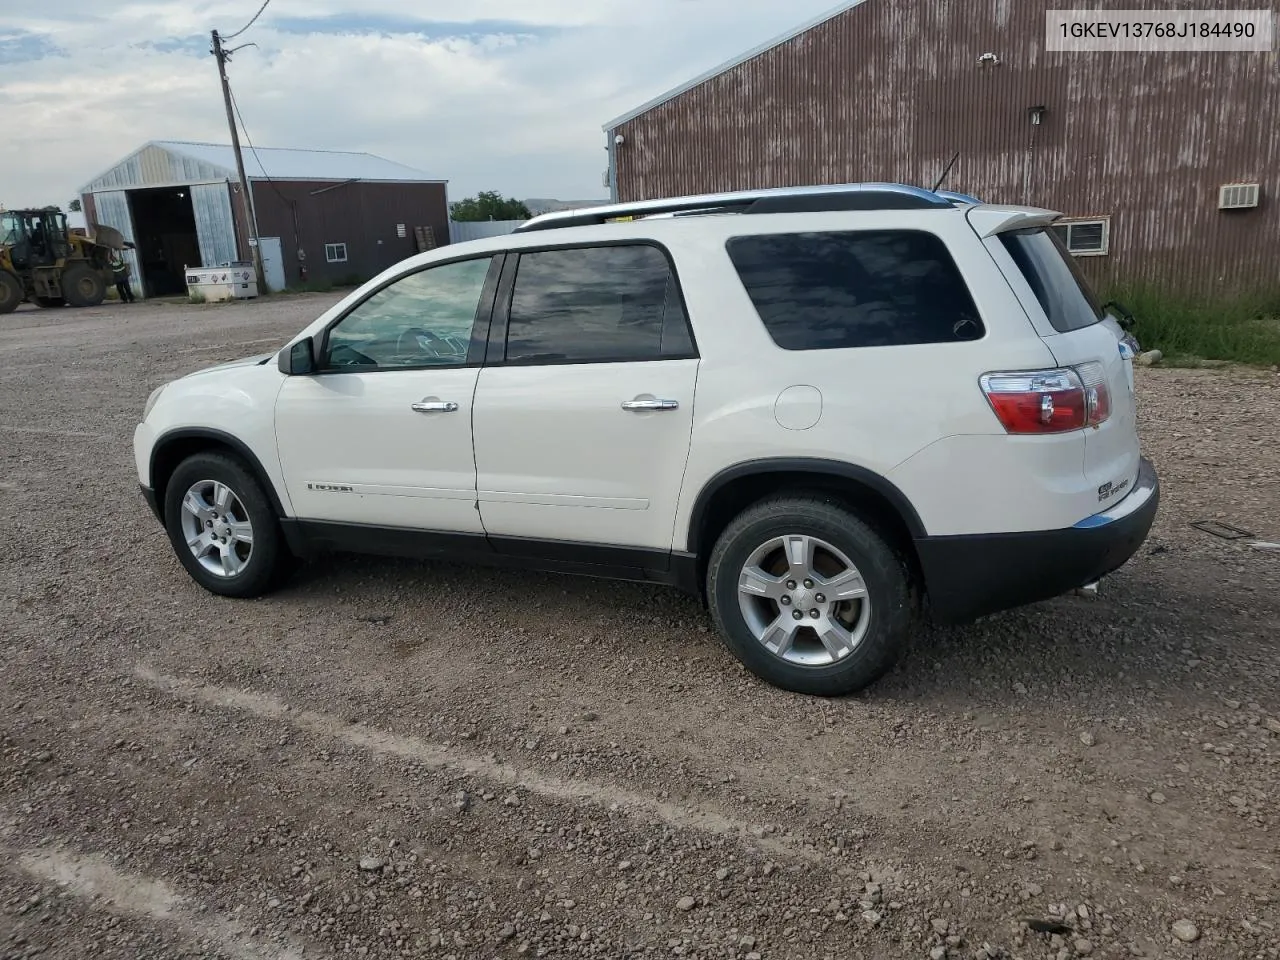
990	219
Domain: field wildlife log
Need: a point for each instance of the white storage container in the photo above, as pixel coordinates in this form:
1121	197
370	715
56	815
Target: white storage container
231	281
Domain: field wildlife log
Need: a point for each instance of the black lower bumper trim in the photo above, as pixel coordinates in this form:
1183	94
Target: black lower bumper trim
970	576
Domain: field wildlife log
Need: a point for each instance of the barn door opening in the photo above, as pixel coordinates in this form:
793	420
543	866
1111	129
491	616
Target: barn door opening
164	224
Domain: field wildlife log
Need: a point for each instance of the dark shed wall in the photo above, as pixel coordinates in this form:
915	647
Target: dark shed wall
363	215
890	89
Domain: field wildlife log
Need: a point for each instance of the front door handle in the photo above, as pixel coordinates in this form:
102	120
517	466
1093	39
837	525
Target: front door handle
435	406
642	405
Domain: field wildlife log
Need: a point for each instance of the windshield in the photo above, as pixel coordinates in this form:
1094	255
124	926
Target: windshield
1054	277
10	229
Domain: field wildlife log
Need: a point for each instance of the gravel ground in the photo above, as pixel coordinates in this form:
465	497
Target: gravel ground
390	759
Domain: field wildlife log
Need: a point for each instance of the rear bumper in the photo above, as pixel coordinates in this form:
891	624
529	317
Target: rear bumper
969	576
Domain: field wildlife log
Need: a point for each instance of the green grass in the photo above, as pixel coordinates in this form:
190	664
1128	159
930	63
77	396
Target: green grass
1189	331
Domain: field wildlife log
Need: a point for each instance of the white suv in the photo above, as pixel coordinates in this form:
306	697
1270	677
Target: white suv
825	410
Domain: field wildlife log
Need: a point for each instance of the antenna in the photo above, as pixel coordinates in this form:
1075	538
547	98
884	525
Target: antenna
947	170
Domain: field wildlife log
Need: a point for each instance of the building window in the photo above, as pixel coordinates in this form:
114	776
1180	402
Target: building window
335	252
1085	238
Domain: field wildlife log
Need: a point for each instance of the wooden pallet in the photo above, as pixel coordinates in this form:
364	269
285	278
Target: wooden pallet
424	239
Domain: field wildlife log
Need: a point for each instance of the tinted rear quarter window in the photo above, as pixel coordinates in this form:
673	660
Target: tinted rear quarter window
872	288
595	305
1054	277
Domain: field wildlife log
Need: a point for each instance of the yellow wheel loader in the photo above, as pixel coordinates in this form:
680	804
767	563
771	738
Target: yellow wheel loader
44	262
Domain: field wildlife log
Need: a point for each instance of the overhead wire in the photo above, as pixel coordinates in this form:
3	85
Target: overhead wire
293	205
250	23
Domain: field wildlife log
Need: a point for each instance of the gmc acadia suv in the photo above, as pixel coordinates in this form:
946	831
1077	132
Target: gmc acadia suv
825	410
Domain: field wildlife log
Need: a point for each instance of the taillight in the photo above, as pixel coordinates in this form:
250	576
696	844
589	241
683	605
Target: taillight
1097	395
1049	401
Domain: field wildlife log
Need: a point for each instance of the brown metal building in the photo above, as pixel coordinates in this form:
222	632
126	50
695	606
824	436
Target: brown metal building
321	215
1135	147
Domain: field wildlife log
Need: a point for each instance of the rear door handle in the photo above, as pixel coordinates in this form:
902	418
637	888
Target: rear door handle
642	405
435	406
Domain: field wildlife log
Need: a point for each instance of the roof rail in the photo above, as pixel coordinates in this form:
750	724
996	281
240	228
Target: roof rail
962	198
844	196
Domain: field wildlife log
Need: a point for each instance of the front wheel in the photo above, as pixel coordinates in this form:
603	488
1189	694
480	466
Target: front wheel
222	527
810	597
82	286
11	292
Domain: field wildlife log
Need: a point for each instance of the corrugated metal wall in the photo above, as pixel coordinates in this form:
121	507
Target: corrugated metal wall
215	228
111	208
156	167
366	216
890	89
463	230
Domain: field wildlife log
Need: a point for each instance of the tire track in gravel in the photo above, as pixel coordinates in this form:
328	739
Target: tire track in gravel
92	879
433	755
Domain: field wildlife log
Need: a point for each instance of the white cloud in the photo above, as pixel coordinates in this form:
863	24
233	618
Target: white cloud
490	94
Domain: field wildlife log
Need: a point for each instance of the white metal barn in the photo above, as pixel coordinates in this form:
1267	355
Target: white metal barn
180	204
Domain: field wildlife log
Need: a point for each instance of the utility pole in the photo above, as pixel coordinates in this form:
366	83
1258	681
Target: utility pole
252	227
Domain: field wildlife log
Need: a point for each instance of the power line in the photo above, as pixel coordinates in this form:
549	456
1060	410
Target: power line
250	23
292	204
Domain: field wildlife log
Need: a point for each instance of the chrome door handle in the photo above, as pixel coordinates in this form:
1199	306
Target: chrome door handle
435	406
642	405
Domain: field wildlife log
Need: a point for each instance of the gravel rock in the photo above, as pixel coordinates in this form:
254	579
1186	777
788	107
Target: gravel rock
940	926
1186	931
316	733
686	904
1088	739
372	864
1083	947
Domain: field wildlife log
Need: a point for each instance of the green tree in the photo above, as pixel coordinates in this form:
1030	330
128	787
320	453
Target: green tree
489	205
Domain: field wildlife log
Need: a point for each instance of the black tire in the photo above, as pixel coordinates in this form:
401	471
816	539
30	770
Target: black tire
82	286
50	302
10	292
888	622
267	561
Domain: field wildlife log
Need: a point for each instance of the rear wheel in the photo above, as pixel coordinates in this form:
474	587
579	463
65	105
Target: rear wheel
83	286
10	292
810	597
223	528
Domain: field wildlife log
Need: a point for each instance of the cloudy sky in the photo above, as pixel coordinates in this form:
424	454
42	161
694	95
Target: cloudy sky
490	94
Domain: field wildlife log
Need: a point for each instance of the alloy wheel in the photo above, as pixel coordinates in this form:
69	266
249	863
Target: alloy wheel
804	600
216	527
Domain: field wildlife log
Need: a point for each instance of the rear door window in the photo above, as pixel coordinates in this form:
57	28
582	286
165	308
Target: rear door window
871	288
596	305
1054	277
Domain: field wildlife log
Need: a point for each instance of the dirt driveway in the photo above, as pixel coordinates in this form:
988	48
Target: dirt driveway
390	759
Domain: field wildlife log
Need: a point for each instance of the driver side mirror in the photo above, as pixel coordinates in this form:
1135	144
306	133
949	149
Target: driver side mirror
299	359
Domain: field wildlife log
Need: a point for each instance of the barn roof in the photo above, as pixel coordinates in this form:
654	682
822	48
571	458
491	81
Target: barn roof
166	162
730	64
286	164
